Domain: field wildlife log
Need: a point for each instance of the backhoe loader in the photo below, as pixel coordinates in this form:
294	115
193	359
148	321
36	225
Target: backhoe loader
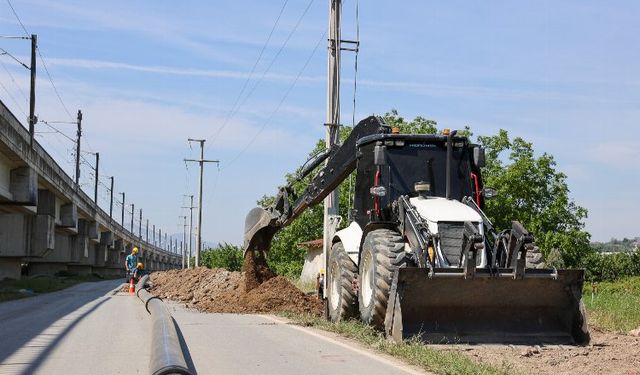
420	257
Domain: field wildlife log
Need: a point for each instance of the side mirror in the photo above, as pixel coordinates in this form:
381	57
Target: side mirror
478	156
489	193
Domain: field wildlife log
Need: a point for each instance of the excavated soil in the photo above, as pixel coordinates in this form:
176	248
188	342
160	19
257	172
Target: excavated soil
257	290
608	353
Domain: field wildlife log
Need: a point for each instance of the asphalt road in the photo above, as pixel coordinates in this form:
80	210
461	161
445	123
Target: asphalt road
85	329
92	329
263	345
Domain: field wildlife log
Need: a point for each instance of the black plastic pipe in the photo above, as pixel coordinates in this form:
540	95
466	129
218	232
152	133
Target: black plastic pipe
166	352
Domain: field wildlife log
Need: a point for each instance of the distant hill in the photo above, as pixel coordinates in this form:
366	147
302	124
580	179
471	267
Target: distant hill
617	246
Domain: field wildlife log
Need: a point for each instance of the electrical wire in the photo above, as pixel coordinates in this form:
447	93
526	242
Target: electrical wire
14	81
284	97
44	64
13	98
18	18
5	52
266	71
253	69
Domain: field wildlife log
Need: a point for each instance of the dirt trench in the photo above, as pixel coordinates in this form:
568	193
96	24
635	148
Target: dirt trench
256	290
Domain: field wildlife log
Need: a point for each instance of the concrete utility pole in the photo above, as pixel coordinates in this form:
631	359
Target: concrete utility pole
78	136
95	188
201	162
140	226
110	204
122	218
133	209
184	238
32	92
332	124
191	207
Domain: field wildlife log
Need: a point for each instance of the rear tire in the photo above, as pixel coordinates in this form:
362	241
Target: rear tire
382	253
340	274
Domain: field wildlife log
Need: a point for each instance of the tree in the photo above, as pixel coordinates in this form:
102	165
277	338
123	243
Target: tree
223	256
531	191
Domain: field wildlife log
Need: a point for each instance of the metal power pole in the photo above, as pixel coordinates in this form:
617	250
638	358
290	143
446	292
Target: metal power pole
95	189
332	124
184	238
154	235
140	226
111	204
201	162
147	228
122	218
32	91
191	207
78	136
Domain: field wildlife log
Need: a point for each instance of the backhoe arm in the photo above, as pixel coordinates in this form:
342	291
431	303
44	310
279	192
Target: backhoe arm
261	224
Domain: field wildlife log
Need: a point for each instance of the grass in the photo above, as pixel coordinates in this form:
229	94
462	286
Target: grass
413	352
15	289
614	306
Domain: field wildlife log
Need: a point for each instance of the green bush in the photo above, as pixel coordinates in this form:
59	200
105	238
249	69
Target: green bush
225	256
608	267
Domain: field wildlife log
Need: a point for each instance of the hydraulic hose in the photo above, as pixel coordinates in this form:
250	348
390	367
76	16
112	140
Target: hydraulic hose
166	352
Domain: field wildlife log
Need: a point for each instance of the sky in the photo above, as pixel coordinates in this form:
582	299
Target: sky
148	75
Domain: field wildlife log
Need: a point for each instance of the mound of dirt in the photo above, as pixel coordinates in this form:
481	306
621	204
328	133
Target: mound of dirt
256	270
220	291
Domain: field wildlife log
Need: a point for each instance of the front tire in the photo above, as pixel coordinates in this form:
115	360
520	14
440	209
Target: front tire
382	253
340	275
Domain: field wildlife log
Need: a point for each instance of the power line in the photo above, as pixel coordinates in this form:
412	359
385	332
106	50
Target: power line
264	73
253	69
5	52
55	89
13	98
44	65
284	97
57	131
18	18
14	81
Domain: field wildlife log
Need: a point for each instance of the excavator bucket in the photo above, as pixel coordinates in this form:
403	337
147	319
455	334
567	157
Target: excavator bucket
259	229
543	307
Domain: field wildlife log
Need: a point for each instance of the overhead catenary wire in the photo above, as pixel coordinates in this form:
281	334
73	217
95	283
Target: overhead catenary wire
44	64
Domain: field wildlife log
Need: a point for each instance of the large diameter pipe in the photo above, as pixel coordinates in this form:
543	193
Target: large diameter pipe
166	352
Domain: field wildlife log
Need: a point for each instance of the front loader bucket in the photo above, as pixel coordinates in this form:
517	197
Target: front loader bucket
544	307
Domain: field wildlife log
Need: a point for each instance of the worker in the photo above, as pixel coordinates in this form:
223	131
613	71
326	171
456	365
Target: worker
320	283
140	271
130	263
